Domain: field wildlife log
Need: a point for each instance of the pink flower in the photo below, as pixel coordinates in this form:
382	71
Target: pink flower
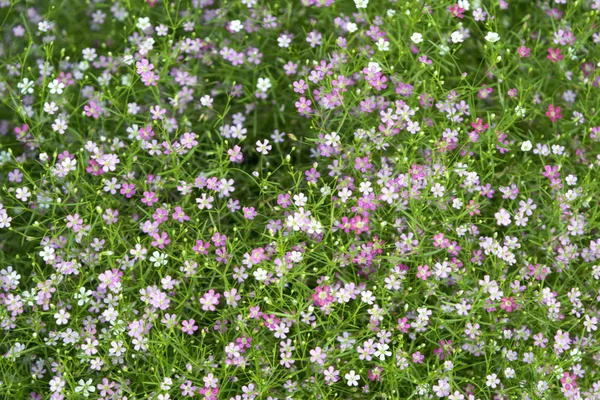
524	52
554	55
210	300
424	272
508	304
457	11
553	113
418	357
92	110
189	327
403	325
569	381
303	106
322	296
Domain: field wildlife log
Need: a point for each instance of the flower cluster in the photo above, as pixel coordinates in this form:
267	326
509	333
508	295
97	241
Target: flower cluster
310	199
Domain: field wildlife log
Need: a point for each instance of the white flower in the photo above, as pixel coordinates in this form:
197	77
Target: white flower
509	372
457	37
89	54
260	274
352	378
383	45
344	194
416	38
56	87
47	254
44	26
492	37
365	187
263	84
492	381
284	41
502	217
361	3
300	199
26	86
56	384
50	108
23	193
382	351
83	296
374	66
519	111
367	297
128	59
206	100
351	27
59	126
437	190
85	387
413	127
143	23
68	164
236	25
263	148
158	259
526	146
62	317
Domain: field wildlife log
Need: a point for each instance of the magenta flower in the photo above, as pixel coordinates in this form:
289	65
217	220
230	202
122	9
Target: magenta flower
553	113
508	304
524	52
554	55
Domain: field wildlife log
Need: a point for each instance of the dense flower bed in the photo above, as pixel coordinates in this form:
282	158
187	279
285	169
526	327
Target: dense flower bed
307	199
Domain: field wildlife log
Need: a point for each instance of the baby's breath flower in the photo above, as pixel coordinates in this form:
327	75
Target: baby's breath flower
492	37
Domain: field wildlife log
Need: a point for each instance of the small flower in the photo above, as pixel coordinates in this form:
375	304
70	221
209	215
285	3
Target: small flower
352	378
143	23
56	87
416	38
236	25
502	217
263	148
26	86
524	52
62	317
383	45
189	326
85	387
23	193
554	55
263	84
492	381
526	146
457	37
206	100
492	37
158	259
508	304
553	113
361	3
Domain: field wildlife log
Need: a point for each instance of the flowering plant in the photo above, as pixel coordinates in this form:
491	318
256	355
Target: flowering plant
310	199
